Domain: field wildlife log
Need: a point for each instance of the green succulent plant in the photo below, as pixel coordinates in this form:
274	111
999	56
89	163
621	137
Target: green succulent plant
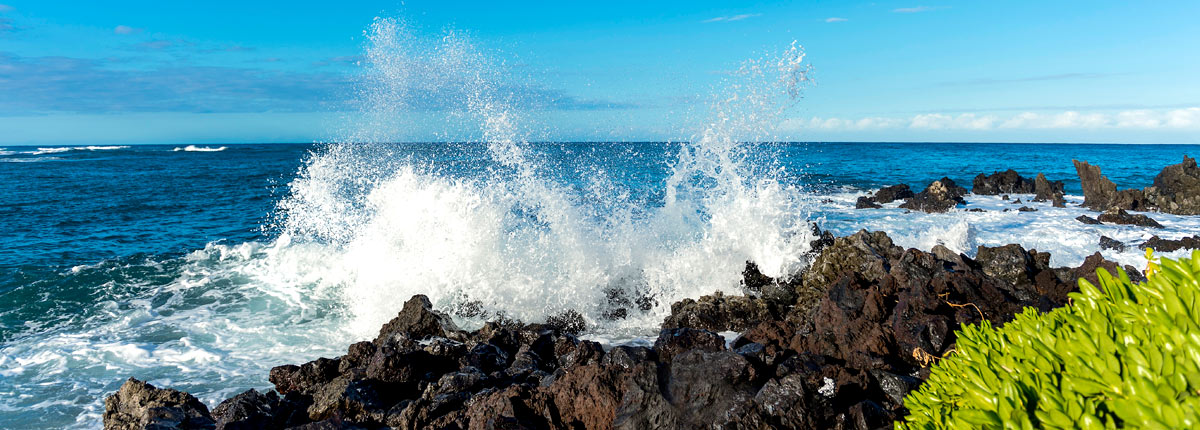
1119	355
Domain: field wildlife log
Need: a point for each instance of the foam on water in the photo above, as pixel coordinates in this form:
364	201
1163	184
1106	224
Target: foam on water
61	149
1050	229
194	148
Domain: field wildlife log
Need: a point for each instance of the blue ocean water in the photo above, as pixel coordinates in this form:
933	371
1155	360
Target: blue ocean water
202	269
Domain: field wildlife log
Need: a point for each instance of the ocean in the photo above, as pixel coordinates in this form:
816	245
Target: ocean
201	267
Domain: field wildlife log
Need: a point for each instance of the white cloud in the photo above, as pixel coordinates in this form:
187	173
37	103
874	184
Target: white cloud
1142	119
835	19
125	29
732	17
913	9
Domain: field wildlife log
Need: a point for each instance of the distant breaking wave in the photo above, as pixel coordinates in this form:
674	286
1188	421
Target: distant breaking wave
194	148
60	149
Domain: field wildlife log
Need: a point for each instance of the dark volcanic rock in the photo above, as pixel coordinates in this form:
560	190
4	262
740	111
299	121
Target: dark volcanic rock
940	196
865	202
1048	191
1088	220
138	405
1119	216
1113	244
718	312
1176	189
1100	194
1007	181
674	341
252	410
1163	245
857	334
1026	209
417	320
892	193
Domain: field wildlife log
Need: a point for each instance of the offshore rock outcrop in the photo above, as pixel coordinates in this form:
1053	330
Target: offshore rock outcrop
1006	182
884	195
1176	190
837	347
1101	194
940	196
1046	190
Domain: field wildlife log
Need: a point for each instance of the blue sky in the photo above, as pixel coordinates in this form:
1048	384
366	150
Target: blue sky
220	71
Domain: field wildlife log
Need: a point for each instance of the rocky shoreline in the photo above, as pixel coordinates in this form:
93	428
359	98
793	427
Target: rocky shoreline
837	346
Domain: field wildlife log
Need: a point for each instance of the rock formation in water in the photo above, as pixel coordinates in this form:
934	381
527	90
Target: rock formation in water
838	346
1049	191
940	196
1006	182
1176	190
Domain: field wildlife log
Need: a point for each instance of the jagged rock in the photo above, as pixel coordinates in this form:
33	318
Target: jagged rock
138	405
569	321
1100	194
1026	209
1110	243
865	202
864	252
1163	245
1119	216
892	193
252	410
1049	191
939	196
1007	181
842	357
417	320
718	312
1176	189
675	341
1087	220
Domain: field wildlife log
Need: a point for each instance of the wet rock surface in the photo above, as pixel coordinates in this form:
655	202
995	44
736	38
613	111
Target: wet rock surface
940	196
138	405
837	347
1163	245
1119	216
1004	182
893	193
1047	191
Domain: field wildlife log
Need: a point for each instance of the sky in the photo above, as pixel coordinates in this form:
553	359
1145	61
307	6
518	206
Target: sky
86	72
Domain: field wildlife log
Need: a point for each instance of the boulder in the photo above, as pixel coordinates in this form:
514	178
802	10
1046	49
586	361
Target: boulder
1007	181
1048	191
940	196
417	320
865	202
1087	220
718	312
1163	245
892	193
1119	216
1110	243
1176	189
140	406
